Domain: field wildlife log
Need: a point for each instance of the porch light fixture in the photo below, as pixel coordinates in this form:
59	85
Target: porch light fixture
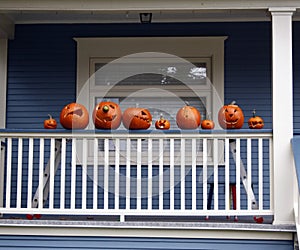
145	17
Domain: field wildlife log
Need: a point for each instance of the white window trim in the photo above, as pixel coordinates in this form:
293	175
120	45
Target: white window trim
184	47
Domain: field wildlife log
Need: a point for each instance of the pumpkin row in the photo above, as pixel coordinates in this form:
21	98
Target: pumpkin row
108	115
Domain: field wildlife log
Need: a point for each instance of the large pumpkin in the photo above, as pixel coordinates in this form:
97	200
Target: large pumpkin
107	115
188	117
74	116
231	116
255	122
137	118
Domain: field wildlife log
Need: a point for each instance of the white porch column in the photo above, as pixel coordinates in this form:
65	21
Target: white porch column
282	107
3	70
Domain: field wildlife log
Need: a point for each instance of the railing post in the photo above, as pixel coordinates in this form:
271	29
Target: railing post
282	92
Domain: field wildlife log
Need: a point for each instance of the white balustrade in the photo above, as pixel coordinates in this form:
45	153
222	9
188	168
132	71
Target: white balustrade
137	173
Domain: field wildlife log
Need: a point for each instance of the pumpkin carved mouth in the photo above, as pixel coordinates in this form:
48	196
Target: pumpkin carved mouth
143	119
106	119
77	112
231	122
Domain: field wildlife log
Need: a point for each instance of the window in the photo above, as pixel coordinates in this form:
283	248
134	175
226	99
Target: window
158	73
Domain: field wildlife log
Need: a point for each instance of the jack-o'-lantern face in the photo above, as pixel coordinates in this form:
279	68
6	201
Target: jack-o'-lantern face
162	123
255	122
137	118
107	115
231	116
50	123
74	116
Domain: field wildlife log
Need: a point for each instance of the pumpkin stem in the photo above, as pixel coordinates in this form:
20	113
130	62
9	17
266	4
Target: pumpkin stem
187	103
50	116
105	109
161	116
233	103
253	112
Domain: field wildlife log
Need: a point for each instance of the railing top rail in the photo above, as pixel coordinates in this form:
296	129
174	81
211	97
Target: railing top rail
62	133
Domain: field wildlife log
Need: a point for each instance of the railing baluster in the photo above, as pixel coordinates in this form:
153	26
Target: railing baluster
41	174
63	173
106	172
51	173
227	179
117	173
204	173
95	175
216	174
73	174
182	175
172	177
161	174
150	177
249	172
84	172
139	175
8	172
194	177
260	173
238	174
19	172
128	179
30	173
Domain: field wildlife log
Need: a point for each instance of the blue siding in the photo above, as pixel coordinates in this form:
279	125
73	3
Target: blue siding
113	243
42	65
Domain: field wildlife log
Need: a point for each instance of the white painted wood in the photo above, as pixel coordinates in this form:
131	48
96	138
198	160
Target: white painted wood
3	81
128	171
8	172
238	174
194	175
117	173
51	173
139	175
161	174
73	173
216	175
282	92
150	177
204	180
172	175
41	174
106	172
260	174
30	173
19	172
227	177
182	175
249	172
95	175
84	172
63	173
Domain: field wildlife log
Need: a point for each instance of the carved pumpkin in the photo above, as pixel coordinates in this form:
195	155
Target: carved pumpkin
207	124
74	116
50	123
188	117
255	122
162	123
107	115
231	116
137	118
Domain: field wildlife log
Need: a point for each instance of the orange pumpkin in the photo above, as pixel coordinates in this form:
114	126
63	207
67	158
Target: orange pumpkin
231	116
137	118
255	122
107	115
50	123
188	117
207	124
74	116
162	123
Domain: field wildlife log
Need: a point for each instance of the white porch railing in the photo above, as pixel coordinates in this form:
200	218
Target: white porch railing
170	173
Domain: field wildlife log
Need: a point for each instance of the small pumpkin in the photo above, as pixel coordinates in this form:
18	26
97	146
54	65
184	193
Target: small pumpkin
188	117
107	115
231	116
50	123
74	116
255	122
207	124
137	118
162	123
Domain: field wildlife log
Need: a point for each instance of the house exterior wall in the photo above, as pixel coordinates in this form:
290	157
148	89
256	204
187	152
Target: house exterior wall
42	65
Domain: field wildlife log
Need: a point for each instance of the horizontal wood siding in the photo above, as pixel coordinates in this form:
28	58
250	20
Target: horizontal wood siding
114	243
42	65
296	76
